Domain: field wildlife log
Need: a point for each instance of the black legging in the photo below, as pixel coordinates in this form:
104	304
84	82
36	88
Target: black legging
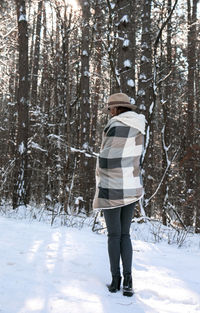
118	223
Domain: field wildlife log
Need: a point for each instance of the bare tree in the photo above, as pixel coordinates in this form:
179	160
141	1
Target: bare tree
145	95
126	56
20	194
166	134
189	166
145	79
36	56
85	105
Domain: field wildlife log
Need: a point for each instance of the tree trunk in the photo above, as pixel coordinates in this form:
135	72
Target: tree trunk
197	121
145	80
20	194
85	108
126	46
145	97
189	168
36	56
65	198
166	136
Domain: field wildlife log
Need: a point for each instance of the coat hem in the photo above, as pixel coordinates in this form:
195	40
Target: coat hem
115	207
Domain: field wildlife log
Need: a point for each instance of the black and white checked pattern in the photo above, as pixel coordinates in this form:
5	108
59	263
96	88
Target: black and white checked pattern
118	167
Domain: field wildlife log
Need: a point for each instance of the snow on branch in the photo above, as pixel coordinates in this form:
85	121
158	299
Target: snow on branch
124	19
73	149
36	146
90	155
53	136
165	147
22	148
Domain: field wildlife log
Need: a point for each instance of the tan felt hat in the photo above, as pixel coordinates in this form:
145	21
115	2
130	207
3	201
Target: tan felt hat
119	100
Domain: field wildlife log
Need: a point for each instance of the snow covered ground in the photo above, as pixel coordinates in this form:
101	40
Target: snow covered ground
65	270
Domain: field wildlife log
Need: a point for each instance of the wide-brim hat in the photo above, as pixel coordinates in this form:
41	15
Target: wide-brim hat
119	100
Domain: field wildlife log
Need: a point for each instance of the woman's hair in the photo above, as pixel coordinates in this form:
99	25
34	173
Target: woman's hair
122	110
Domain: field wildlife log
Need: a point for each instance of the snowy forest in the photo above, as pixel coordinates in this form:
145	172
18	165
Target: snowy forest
59	62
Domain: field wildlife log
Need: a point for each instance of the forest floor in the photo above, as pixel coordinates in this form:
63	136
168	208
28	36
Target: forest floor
59	269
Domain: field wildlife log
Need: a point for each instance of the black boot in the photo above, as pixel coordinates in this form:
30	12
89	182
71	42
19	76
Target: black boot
115	284
127	285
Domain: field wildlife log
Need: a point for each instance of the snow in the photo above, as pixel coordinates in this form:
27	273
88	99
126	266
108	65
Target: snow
58	269
22	148
126	43
127	63
132	100
22	17
141	92
130	83
117	76
166	149
53	136
142	76
144	45
93	154
124	19
85	52
146	143
144	59
48	197
36	146
142	107
86	74
151	108
22	100
85	145
78	199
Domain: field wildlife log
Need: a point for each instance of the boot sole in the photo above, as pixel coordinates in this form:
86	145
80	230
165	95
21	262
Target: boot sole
112	290
128	293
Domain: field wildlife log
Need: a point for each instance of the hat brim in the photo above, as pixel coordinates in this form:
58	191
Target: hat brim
130	106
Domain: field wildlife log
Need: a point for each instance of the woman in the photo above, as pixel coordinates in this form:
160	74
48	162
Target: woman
118	183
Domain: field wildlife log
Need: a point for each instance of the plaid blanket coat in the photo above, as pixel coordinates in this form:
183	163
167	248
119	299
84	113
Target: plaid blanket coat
118	178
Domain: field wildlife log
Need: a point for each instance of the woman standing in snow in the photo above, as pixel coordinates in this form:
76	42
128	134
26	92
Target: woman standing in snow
119	184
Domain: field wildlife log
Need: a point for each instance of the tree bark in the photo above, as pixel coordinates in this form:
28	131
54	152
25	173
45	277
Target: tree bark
85	107
145	79
145	97
20	193
189	168
166	136
36	56
126	34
